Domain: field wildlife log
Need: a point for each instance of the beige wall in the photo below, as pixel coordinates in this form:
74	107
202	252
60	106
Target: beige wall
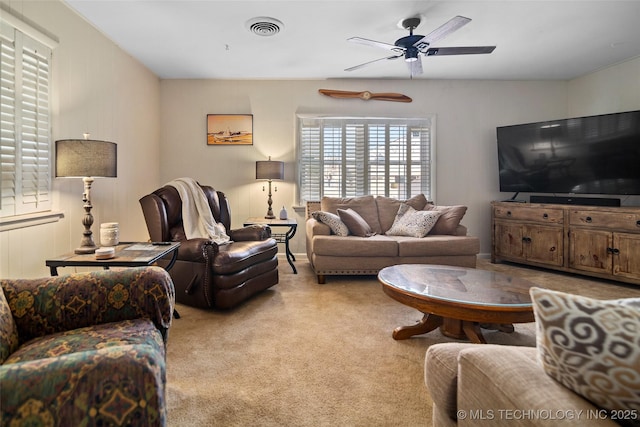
160	130
100	89
467	113
612	90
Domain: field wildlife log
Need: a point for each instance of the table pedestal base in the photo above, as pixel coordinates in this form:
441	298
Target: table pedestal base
452	328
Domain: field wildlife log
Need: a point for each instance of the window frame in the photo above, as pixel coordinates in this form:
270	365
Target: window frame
427	122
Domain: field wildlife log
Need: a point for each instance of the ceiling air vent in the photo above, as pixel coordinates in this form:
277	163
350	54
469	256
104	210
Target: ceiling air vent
265	27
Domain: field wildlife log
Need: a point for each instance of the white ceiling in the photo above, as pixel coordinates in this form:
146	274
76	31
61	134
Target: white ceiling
208	39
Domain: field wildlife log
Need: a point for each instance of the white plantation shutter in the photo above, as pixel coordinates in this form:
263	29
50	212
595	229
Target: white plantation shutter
347	157
310	160
354	159
8	156
25	137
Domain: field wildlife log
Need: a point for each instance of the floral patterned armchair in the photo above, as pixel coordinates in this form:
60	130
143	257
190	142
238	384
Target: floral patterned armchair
85	349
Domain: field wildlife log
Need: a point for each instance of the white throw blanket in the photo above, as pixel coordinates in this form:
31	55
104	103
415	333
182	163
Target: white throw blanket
197	218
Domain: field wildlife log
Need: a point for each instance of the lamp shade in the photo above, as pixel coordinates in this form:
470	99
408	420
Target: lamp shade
269	169
86	158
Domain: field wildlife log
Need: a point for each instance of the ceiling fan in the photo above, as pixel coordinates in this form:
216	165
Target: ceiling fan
412	46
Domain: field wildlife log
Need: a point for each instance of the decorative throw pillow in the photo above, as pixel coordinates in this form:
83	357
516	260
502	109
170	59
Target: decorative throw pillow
356	224
450	217
410	222
590	346
333	221
388	208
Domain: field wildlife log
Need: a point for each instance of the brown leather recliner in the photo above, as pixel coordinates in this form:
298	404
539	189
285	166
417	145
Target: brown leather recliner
205	274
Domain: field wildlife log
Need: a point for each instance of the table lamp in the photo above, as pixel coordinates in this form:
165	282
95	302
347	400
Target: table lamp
269	170
86	159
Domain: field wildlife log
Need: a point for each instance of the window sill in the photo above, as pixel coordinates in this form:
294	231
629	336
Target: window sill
30	220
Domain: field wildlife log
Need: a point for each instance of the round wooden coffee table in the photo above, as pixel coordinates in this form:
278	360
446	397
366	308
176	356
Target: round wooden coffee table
458	300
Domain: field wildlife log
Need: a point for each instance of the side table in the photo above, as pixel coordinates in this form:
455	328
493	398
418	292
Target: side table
292	226
128	254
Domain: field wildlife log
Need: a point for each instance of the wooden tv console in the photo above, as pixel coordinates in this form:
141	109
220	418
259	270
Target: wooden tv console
591	240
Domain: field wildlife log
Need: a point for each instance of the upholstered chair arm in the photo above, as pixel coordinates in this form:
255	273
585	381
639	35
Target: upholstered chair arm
193	249
461	230
250	232
64	390
317	228
61	303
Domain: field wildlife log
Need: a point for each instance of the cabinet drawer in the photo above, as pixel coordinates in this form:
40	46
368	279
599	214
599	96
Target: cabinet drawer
608	220
539	215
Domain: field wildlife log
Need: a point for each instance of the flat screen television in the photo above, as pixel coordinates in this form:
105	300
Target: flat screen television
583	155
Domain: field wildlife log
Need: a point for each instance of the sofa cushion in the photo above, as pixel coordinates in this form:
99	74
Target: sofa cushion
413	223
590	346
333	221
355	223
433	245
388	208
449	219
8	330
374	246
364	205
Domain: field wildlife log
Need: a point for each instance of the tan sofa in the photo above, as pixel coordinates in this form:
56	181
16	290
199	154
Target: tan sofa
484	384
330	254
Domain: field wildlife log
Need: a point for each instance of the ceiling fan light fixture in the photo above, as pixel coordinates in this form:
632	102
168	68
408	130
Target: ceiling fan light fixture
411	55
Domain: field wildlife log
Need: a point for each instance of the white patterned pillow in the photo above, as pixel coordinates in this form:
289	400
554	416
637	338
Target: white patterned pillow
590	346
413	223
334	222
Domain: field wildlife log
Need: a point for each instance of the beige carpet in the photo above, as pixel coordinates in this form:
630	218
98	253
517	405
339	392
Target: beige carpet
303	354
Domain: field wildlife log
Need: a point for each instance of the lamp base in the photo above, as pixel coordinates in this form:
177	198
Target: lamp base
270	214
86	250
87	246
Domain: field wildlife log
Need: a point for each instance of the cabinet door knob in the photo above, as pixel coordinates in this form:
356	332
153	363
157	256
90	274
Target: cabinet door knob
588	219
637	223
509	213
545	216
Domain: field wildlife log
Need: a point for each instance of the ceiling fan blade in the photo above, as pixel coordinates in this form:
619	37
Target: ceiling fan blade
415	67
365	95
452	25
371	62
464	50
375	44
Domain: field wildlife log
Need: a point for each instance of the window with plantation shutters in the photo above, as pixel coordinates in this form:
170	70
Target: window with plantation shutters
347	157
25	129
